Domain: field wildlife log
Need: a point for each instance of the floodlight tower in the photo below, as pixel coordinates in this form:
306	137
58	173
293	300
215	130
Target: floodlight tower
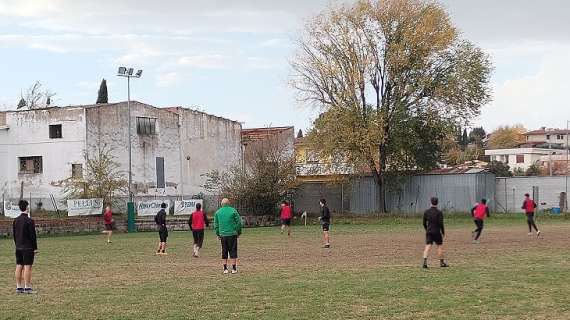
128	73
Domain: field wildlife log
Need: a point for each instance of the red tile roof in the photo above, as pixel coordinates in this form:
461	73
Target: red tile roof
544	131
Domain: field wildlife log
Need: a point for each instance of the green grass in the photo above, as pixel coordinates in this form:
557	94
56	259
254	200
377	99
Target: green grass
371	272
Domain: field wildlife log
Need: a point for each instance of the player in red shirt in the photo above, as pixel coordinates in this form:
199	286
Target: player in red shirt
479	213
108	220
286	216
528	206
198	220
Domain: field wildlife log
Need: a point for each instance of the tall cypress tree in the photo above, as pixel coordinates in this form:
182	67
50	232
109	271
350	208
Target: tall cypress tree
102	96
464	138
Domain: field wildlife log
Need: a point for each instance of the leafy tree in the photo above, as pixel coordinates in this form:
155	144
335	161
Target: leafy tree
477	135
102	95
533	170
393	78
464	139
507	137
101	179
500	169
34	96
257	189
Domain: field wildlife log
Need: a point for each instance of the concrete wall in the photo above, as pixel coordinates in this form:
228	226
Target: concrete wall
107	126
510	192
28	135
208	143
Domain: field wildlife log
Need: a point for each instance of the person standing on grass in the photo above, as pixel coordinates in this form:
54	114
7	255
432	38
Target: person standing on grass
325	219
479	213
198	220
286	216
160	220
24	232
435	232
529	206
227	224
108	220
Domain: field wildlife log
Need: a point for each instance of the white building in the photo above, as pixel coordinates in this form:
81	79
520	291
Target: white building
171	147
521	158
548	136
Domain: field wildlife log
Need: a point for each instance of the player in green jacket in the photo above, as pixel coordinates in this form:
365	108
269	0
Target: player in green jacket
227	224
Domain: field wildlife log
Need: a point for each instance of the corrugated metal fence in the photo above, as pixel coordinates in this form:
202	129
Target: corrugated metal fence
547	192
456	192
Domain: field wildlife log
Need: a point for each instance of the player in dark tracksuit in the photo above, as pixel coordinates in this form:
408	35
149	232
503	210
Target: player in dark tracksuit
24	232
325	219
479	213
435	232
529	206
160	220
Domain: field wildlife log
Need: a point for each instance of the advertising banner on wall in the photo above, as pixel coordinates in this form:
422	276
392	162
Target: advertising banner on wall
151	207
11	209
84	207
186	206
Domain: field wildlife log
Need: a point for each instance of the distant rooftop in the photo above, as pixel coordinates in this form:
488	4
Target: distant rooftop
544	130
253	134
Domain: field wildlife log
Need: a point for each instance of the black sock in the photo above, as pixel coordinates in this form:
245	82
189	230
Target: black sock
425	260
441	261
234	266
225	266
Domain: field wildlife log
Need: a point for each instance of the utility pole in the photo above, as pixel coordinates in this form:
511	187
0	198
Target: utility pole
128	73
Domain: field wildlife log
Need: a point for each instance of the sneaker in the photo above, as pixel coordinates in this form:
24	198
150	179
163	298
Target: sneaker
234	271
443	265
19	290
425	266
164	254
327	245
226	271
538	234
29	291
109	241
158	253
529	234
475	242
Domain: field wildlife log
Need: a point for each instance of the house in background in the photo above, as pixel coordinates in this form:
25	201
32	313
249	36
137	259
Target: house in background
270	139
548	136
41	149
521	158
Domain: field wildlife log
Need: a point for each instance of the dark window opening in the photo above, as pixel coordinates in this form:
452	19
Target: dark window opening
146	126
55	131
160	183
30	165
520	158
77	170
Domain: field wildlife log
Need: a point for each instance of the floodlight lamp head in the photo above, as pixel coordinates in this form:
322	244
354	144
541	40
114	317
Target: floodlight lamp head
122	71
130	72
139	73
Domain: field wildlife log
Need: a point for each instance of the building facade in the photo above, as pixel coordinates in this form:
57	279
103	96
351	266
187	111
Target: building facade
521	158
171	147
548	136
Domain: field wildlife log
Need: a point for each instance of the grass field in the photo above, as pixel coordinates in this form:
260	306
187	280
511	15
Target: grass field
372	271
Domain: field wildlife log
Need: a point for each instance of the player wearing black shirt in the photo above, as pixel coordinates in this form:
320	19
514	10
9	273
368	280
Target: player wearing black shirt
435	232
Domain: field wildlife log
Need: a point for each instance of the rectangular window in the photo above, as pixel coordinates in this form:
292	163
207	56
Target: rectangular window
77	170
311	156
30	165
559	137
160	173
55	131
146	126
520	158
547	137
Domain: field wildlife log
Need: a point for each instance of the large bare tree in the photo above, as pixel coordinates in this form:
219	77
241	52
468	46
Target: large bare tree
392	77
35	97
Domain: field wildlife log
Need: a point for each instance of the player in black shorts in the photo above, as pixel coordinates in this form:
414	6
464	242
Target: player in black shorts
433	224
325	219
160	220
24	231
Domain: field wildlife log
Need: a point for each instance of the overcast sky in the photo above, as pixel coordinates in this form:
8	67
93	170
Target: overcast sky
230	58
